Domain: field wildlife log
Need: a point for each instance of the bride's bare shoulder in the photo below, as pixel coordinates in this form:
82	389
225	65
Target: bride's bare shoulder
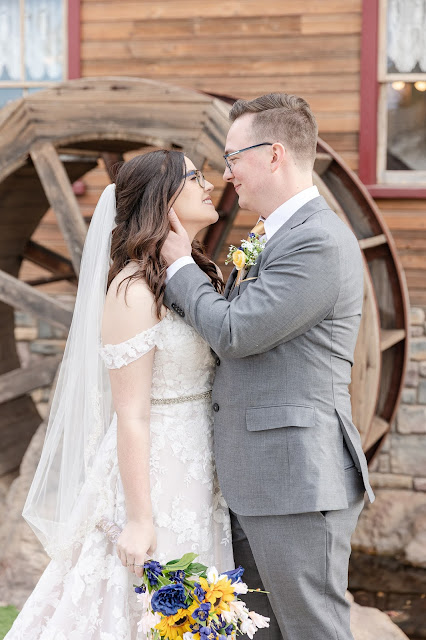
129	309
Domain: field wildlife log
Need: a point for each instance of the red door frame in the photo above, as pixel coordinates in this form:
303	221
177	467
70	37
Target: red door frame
369	110
74	38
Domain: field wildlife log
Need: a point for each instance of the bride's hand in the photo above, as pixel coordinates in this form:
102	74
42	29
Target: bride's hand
136	541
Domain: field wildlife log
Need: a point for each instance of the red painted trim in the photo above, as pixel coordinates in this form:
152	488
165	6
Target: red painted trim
369	91
74	38
387	191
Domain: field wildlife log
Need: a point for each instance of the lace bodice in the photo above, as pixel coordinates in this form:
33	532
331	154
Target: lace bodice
183	363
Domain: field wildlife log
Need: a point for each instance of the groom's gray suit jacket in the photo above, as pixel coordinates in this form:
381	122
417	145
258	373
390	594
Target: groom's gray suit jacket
284	341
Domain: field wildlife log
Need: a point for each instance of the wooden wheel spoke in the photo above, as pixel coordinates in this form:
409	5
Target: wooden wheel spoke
390	337
374	241
58	189
21	296
322	162
227	209
49	260
378	429
18	382
110	160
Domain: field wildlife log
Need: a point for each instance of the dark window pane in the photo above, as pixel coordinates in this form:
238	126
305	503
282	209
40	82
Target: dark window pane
406	136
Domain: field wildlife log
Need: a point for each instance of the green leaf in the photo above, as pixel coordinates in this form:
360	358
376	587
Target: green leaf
195	568
182	564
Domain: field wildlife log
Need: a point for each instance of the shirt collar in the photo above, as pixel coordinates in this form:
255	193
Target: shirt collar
287	209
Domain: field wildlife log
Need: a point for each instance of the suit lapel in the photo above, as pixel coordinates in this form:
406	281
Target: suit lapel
230	282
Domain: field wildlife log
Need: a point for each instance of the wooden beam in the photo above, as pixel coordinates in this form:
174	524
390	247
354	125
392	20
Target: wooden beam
37	282
19	295
48	259
378	429
374	241
390	337
58	189
111	159
322	162
18	382
217	233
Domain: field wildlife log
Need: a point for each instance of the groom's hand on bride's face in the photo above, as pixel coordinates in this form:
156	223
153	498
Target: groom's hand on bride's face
177	244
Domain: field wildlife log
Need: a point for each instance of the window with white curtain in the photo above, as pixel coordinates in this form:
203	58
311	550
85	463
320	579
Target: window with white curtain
401	154
33	46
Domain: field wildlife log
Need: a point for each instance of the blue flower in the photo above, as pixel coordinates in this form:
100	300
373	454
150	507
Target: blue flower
229	629
202	613
208	633
140	589
168	600
153	569
240	249
219	624
252	235
199	592
177	576
235	574
195	627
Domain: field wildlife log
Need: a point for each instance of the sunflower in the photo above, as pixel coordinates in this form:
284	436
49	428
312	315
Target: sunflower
218	594
173	627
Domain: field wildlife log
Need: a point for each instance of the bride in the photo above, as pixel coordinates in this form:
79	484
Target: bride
128	453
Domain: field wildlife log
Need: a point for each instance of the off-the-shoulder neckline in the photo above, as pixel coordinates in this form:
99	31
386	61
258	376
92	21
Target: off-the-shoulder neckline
137	335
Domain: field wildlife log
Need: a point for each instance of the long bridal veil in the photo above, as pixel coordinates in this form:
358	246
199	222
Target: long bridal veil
82	407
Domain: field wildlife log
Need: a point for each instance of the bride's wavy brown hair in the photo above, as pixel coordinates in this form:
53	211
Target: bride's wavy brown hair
145	190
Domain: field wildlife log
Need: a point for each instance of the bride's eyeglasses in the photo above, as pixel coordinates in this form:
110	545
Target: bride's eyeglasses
199	176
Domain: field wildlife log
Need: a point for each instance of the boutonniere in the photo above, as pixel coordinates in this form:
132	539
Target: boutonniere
245	255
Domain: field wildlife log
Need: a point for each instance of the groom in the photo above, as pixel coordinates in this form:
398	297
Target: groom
288	456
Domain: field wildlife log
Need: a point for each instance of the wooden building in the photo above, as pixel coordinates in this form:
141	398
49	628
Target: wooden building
334	53
359	63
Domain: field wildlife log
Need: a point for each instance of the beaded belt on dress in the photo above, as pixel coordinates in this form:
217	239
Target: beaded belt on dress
197	396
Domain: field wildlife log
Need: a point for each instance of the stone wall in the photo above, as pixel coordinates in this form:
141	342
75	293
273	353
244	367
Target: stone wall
401	463
388	565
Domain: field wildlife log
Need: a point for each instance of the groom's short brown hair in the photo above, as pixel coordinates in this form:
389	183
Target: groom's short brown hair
285	118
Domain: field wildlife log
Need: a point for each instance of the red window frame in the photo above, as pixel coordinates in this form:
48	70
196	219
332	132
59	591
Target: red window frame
74	37
369	110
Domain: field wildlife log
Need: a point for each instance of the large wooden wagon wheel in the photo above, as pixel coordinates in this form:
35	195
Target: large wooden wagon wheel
52	138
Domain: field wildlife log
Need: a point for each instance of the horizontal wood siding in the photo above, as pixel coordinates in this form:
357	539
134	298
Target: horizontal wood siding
244	49
240	49
407	221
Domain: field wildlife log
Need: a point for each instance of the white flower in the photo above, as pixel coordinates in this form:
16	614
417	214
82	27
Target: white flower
260	621
144	599
212	575
247	245
238	608
240	588
148	622
248	627
228	617
188	635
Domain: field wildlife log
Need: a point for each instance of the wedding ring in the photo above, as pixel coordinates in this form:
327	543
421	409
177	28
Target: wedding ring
130	564
138	565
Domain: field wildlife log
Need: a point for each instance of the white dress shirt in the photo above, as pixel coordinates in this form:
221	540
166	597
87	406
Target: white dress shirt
272	223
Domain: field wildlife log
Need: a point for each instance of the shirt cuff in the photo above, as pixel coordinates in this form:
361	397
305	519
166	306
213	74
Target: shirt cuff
176	265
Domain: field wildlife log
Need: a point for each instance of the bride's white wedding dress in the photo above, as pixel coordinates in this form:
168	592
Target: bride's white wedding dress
90	595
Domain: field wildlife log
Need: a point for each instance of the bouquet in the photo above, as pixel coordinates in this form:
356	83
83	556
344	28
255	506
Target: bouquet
184	599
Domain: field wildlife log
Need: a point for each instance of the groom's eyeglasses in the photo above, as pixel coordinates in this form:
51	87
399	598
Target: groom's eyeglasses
199	176
234	153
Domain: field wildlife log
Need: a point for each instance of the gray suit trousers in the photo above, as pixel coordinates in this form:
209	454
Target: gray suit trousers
302	561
